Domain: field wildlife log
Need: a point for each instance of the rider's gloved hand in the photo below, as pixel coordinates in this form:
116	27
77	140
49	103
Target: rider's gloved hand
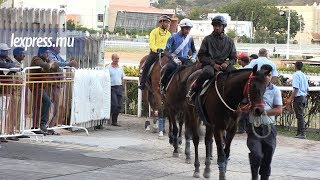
177	61
193	60
159	50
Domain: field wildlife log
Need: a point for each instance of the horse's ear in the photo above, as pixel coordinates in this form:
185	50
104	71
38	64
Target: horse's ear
267	72
255	68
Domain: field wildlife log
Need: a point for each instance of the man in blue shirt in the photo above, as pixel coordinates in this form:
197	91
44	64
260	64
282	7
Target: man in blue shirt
178	47
262	148
54	54
262	59
300	90
116	77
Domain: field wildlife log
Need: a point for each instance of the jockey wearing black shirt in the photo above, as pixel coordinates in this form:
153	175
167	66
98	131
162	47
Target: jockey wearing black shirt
217	53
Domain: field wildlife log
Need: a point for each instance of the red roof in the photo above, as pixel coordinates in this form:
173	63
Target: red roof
139	9
315	36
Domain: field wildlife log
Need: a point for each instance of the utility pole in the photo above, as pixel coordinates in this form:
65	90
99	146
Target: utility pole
251	32
125	25
288	35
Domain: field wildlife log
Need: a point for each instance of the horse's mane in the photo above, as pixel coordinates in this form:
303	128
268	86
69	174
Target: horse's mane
236	72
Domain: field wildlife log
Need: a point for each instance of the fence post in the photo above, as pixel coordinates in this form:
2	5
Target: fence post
139	100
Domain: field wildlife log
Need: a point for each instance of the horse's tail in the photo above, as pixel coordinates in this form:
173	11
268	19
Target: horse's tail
202	114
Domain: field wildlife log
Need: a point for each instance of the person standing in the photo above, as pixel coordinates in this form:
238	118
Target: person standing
42	101
243	60
262	59
157	42
262	148
116	76
217	53
300	90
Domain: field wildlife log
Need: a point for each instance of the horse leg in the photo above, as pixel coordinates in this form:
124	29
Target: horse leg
180	130
219	138
208	143
170	134
175	139
187	147
195	139
229	137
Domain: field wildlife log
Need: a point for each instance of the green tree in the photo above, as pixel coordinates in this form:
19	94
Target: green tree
231	33
265	17
166	4
70	25
198	13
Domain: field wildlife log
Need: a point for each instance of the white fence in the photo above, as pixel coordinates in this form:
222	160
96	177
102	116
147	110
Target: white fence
70	99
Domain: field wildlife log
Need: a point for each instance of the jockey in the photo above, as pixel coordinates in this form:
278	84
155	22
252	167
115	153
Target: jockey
217	53
178	46
157	41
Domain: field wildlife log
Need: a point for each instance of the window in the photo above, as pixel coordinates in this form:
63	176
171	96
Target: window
100	17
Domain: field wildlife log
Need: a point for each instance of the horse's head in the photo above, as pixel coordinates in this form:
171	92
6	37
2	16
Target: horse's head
255	88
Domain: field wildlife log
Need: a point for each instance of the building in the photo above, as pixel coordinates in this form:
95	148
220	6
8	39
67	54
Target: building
86	13
203	28
137	15
311	19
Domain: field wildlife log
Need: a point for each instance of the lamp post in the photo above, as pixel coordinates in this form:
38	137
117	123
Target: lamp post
282	13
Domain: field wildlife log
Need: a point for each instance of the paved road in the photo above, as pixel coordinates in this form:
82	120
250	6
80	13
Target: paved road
128	152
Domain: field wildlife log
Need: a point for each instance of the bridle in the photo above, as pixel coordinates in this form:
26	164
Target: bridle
246	93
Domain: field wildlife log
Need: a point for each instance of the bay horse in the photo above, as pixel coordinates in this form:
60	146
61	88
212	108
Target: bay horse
174	101
219	106
151	93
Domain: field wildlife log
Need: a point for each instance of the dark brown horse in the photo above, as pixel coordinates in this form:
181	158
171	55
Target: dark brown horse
175	103
151	94
219	107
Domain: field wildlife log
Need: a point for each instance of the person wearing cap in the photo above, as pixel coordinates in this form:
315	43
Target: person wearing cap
299	97
157	42
178	47
39	90
243	60
19	55
262	59
5	61
217	53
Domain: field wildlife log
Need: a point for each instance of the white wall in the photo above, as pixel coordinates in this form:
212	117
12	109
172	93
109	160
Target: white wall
241	27
88	10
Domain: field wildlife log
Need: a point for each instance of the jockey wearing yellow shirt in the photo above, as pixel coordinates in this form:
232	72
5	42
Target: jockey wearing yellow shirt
157	42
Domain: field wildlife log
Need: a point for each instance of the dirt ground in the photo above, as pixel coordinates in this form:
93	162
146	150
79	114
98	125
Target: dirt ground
134	58
126	57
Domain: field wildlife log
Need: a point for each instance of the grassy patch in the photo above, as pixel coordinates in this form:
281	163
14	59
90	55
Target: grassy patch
311	134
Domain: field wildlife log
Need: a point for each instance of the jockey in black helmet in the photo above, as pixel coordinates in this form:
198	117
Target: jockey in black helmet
217	53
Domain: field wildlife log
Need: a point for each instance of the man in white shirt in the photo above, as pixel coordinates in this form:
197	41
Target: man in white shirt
116	76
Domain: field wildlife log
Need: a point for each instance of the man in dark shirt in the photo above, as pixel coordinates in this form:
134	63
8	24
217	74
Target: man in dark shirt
217	53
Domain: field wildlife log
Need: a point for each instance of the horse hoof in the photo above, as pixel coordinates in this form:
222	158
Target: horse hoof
188	161
196	174
148	128
222	176
206	174
176	155
160	134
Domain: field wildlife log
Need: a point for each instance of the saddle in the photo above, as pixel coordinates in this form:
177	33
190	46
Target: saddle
177	70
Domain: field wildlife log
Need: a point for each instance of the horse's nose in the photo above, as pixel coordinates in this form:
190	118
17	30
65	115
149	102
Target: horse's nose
258	111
